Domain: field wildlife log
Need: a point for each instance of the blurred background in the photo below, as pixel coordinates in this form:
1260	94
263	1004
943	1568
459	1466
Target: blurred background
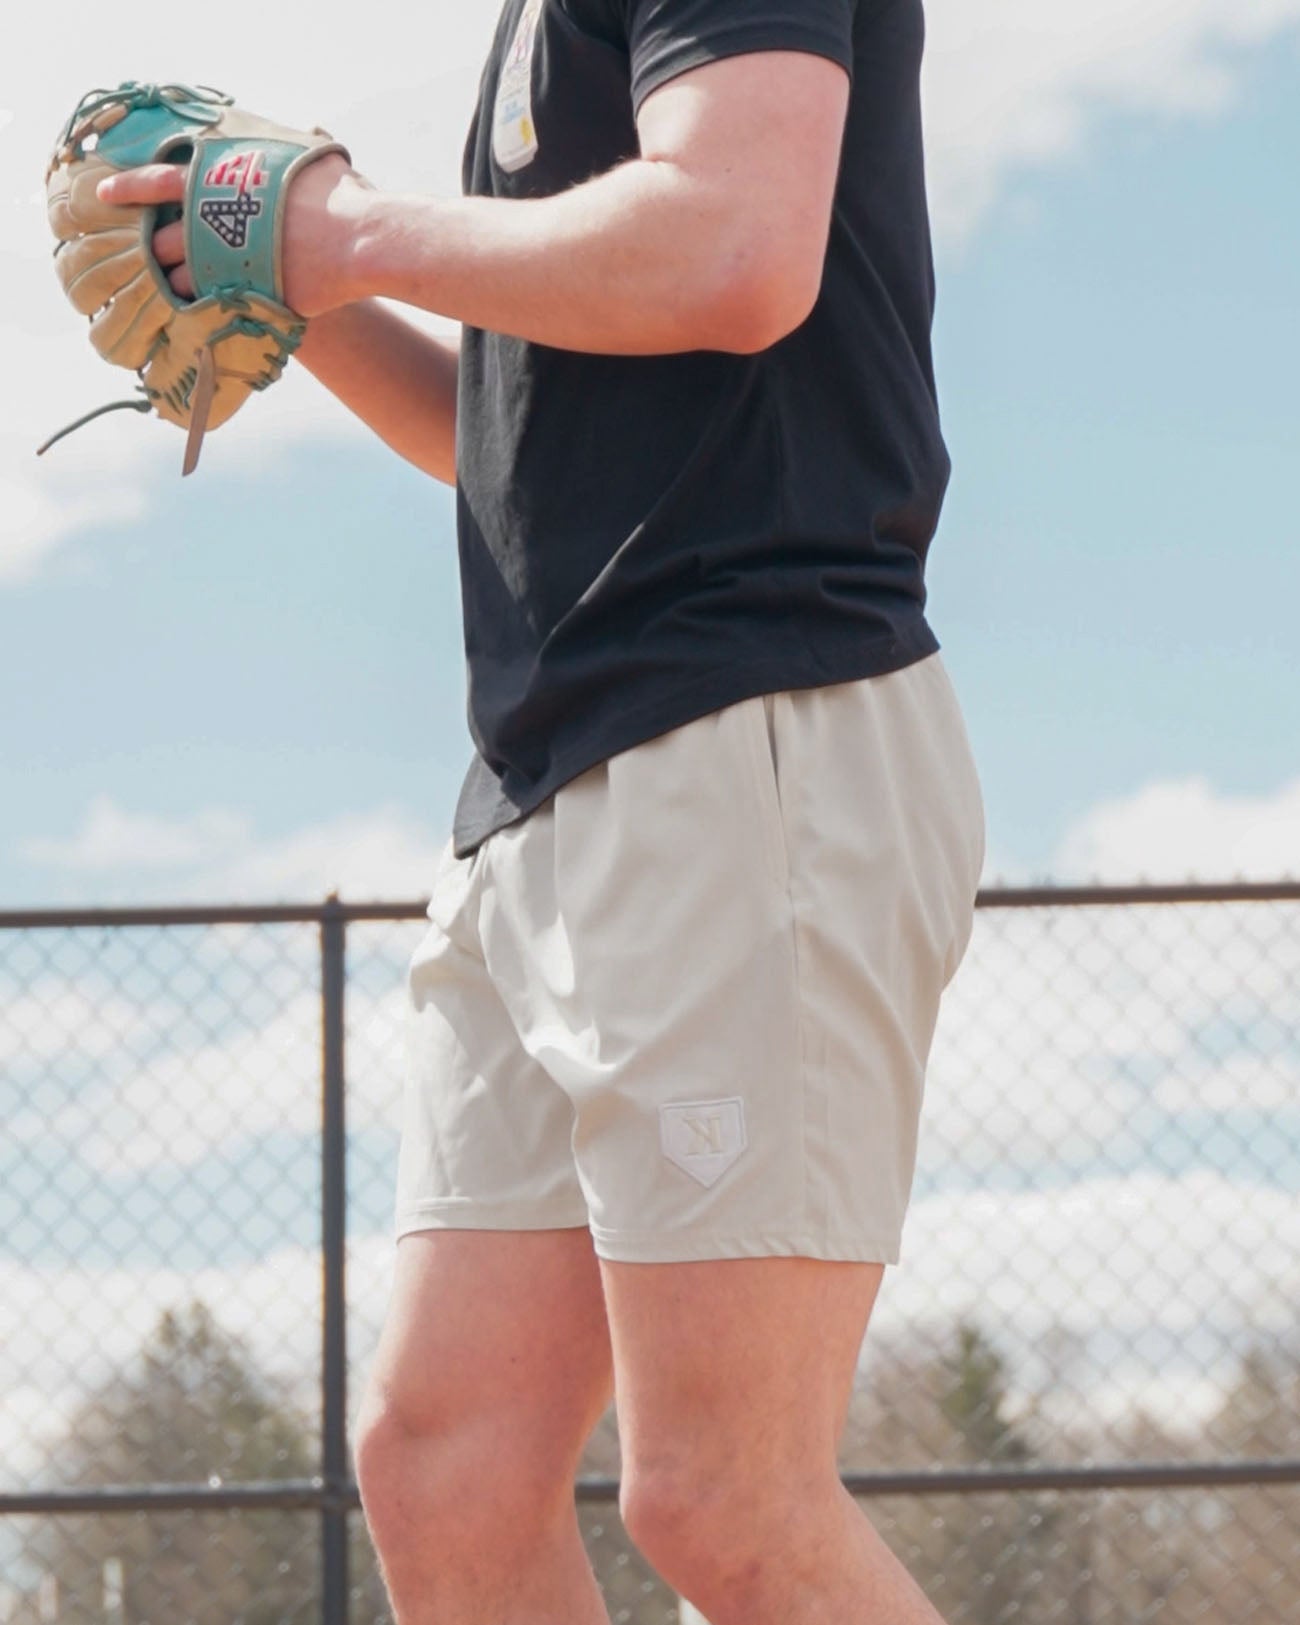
247	688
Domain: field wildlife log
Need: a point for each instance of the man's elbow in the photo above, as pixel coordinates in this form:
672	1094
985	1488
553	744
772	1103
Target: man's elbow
762	302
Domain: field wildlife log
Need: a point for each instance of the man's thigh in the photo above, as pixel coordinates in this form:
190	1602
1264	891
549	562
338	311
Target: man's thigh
737	1368
497	1340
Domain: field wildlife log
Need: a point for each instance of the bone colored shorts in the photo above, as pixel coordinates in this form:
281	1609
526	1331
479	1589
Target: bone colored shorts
689	1001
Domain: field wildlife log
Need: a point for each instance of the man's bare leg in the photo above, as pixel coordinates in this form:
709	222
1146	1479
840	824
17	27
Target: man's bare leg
734	1380
493	1369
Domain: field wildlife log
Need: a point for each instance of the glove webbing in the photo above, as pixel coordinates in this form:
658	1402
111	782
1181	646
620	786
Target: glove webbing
232	298
132	95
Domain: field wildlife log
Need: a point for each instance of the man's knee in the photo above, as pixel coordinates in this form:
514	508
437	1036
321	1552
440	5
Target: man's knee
713	1526
460	1484
690	1517
665	1511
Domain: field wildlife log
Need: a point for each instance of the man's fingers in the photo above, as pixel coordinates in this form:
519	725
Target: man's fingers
169	244
149	183
154	184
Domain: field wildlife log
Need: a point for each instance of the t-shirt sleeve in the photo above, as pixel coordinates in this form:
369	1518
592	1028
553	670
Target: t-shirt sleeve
668	37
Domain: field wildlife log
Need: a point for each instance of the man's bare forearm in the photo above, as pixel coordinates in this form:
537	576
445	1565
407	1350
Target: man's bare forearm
396	378
644	260
713	238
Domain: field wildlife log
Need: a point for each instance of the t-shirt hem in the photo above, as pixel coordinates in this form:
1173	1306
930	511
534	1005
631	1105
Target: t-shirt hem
739	41
710	692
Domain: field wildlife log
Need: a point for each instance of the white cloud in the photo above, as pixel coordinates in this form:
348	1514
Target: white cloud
1162	1283
111	838
215	855
1174	830
1013	85
1058	1052
198	1101
384	854
216	1099
1065	1027
53	1013
1240	1083
144	1107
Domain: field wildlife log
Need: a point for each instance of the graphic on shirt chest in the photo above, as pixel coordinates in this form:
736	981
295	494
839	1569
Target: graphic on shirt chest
514	135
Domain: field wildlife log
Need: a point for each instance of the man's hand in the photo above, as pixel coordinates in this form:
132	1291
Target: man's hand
319	228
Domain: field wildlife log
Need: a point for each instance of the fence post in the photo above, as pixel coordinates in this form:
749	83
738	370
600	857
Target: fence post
334	1396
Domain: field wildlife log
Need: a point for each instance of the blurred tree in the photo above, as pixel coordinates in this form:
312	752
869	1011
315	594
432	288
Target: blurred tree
1260	1413
191	1407
982	1559
1254	1532
975	1400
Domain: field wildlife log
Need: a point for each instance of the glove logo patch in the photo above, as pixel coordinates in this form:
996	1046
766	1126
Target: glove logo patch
228	216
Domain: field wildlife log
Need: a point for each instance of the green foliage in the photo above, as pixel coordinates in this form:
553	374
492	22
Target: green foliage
974	1400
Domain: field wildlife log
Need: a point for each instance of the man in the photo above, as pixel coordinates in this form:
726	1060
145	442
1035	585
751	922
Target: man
716	855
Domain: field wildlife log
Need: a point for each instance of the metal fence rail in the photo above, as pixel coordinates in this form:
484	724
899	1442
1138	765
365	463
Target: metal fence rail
58	951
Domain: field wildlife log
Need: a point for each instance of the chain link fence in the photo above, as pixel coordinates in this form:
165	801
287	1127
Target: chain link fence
1080	1397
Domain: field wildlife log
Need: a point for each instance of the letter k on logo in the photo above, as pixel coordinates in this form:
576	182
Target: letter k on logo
703	1137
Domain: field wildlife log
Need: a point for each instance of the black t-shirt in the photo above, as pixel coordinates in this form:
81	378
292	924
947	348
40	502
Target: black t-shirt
644	540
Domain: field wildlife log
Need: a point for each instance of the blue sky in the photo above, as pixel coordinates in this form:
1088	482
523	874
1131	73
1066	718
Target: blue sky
272	648
1117	575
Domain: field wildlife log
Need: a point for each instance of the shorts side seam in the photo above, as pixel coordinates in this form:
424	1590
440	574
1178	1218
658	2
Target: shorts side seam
817	1220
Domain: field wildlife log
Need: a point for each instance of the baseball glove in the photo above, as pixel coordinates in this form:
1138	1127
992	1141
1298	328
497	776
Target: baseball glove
198	360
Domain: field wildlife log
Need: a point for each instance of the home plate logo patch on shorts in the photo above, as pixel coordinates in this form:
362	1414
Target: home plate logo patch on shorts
703	1137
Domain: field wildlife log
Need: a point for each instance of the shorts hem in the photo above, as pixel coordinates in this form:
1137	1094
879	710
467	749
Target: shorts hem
623	1248
484	1216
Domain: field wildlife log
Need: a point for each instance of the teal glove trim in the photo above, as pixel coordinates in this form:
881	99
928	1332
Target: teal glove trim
155	114
231	212
254	328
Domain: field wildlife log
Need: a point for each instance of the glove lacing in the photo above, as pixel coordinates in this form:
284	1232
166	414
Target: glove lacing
234	299
133	95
